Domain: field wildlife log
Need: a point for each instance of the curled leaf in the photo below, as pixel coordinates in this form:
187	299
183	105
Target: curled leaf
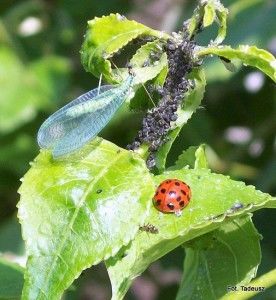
248	55
107	35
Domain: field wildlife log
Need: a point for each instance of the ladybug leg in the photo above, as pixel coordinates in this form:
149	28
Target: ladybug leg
178	213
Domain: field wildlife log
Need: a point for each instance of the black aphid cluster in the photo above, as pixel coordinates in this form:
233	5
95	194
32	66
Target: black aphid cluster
157	122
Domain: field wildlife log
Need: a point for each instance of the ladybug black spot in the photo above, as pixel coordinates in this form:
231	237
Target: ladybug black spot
156	193
99	191
177	183
170	206
183	192
168	181
178	198
181	203
158	202
163	191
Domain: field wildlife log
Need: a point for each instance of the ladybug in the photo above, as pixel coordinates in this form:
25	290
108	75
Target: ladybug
171	196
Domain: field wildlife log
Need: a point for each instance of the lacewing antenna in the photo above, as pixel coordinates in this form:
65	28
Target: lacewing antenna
131	72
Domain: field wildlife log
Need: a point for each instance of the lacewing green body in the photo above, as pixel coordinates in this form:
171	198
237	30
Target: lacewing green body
75	124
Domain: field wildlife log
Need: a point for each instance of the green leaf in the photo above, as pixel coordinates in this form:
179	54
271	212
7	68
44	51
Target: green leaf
185	159
107	35
141	101
222	14
249	55
154	74
27	89
200	158
212	202
11	279
206	13
209	14
142	55
192	100
78	211
193	157
217	260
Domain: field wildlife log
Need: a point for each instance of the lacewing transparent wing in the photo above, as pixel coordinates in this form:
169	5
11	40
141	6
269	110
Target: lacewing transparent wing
72	126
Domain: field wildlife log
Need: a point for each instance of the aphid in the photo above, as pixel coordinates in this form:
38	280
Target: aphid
236	206
228	64
149	228
146	63
154	55
120	17
81	120
171	196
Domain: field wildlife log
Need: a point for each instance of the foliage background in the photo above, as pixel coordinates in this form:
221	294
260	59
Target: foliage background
40	71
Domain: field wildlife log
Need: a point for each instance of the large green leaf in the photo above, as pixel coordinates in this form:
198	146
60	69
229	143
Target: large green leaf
213	199
11	280
107	35
217	260
249	55
78	211
25	89
191	102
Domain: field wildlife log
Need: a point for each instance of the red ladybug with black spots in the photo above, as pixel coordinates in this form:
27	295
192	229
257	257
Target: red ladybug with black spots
171	196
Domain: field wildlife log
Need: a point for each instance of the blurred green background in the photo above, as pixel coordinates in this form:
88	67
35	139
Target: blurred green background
40	71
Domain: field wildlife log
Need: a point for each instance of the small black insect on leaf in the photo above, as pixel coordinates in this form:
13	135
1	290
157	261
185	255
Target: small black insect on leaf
149	228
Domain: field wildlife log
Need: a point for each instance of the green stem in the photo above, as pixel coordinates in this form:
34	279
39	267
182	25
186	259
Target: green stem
267	280
202	51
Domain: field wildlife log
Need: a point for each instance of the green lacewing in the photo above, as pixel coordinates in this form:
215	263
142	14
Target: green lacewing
75	124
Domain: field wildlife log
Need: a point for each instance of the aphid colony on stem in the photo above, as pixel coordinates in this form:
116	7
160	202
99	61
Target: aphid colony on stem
157	122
